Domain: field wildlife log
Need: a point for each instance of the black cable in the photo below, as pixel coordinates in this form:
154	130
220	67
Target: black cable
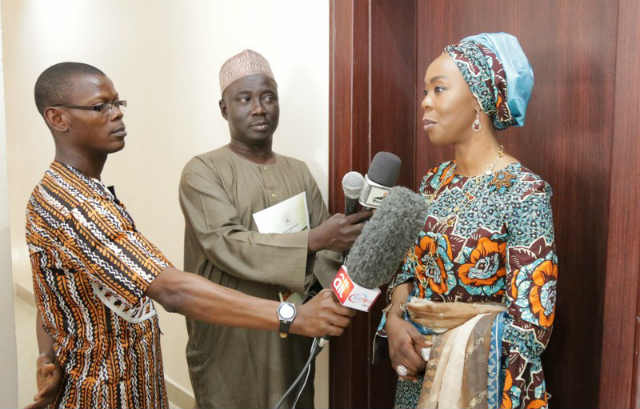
304	368
304	385
320	343
313	352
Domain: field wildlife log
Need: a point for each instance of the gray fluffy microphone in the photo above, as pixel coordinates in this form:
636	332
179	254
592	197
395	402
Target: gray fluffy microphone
385	239
352	184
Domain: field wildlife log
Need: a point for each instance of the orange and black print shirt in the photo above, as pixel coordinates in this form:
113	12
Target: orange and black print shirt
91	269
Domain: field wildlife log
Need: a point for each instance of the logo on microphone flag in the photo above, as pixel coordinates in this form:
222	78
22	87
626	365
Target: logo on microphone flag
342	284
351	294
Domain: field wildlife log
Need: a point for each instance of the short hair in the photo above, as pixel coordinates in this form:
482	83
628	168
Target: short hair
54	84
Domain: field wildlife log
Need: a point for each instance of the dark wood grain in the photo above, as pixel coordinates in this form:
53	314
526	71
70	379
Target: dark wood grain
567	140
393	68
581	135
619	374
372	88
349	149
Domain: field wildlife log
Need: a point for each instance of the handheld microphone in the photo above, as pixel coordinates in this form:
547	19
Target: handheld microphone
374	258
380	249
352	184
380	178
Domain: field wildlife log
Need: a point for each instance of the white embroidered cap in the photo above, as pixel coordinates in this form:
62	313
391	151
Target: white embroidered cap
243	64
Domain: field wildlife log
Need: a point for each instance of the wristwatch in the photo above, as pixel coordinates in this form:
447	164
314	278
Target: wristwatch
286	315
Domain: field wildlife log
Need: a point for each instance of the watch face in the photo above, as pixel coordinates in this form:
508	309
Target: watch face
286	311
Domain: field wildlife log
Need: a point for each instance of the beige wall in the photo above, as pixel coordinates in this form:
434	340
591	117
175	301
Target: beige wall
8	364
163	57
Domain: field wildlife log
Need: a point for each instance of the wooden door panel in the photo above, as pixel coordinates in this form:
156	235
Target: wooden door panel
619	378
566	139
581	135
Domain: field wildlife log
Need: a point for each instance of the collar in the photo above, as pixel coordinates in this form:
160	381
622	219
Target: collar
77	177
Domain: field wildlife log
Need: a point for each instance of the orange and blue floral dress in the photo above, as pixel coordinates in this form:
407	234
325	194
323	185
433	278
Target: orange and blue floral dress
490	238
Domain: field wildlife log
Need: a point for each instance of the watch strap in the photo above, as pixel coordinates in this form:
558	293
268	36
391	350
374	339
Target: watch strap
284	328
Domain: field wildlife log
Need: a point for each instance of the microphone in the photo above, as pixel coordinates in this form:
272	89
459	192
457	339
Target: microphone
382	176
375	255
380	249
352	184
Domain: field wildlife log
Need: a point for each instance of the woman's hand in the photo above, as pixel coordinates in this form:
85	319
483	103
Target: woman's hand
405	347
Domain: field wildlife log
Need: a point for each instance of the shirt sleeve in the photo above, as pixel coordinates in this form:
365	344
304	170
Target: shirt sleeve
532	274
279	259
323	264
119	259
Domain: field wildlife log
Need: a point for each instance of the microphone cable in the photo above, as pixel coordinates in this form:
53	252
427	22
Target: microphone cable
305	372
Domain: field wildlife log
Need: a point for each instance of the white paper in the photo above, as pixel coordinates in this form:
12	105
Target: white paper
289	216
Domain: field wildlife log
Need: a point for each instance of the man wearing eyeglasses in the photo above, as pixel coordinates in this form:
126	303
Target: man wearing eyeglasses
95	275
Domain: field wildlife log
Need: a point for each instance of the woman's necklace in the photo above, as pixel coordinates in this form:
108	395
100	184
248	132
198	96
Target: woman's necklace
469	197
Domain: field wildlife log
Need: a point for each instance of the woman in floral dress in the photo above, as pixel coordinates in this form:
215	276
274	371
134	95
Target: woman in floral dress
487	245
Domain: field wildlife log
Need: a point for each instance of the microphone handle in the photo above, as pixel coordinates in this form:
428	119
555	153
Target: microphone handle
351	206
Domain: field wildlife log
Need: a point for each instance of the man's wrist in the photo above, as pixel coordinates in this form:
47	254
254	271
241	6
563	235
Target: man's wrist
314	240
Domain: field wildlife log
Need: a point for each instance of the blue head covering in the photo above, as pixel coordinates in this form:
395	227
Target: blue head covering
498	74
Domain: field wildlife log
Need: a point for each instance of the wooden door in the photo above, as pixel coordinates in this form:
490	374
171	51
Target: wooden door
581	135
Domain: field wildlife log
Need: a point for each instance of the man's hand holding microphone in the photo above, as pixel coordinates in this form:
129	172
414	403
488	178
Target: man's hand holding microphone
322	315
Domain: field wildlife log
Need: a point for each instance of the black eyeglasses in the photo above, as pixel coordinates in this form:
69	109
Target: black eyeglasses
104	108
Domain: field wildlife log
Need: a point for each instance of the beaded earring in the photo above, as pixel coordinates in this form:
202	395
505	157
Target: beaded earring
476	124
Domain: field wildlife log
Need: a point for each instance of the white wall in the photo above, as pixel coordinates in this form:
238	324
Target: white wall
163	57
8	363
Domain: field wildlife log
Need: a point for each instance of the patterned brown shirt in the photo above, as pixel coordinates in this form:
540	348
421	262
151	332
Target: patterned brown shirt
91	269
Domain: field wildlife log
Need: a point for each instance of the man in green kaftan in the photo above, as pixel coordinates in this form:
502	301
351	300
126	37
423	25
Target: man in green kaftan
220	191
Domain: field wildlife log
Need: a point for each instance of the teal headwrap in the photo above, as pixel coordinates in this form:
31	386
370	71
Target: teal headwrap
498	74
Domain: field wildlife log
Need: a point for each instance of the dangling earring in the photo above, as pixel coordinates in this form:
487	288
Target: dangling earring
476	124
